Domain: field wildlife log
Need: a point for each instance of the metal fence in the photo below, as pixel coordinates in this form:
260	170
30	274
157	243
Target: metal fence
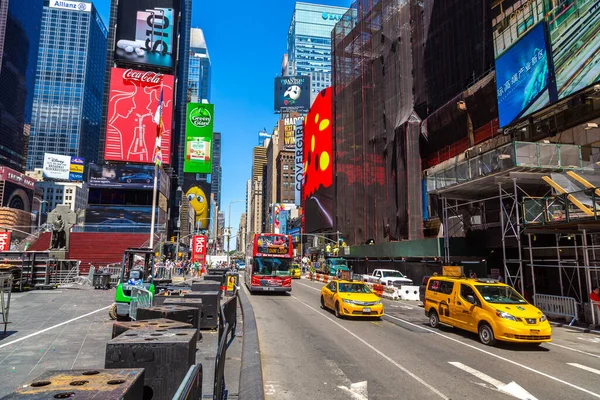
6	282
140	298
227	326
65	276
191	386
557	306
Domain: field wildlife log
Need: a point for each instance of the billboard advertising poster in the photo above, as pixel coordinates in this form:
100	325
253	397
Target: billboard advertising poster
292	94
117	218
295	234
283	221
133	101
198	138
269	245
197	191
199	244
125	176
147	32
317	189
523	77
298	161
289	132
61	167
4	241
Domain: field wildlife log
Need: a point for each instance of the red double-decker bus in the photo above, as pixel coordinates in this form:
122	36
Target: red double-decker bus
269	269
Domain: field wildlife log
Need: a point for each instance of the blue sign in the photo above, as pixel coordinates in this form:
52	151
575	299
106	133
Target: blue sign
295	234
522	76
283	220
333	17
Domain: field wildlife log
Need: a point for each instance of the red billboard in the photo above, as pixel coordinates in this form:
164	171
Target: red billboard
133	103
199	244
4	241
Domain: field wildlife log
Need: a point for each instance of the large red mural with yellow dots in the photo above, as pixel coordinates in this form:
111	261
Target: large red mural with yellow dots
317	191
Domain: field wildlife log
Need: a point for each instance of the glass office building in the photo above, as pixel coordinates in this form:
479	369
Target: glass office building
200	70
67	105
20	24
309	43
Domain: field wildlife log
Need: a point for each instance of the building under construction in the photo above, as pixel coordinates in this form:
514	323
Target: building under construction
446	149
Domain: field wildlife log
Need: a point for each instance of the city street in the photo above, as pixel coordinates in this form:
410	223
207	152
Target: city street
307	354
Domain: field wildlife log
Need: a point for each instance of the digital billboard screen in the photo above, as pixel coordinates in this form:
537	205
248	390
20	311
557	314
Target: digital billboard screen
198	138
125	176
133	101
317	190
197	190
147	32
292	94
523	77
118	218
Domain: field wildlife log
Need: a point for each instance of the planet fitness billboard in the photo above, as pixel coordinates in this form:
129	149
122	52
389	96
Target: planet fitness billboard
198	138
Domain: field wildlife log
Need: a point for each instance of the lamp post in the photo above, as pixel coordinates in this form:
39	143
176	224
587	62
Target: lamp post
229	225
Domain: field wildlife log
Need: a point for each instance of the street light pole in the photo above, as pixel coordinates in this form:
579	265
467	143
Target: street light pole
229	225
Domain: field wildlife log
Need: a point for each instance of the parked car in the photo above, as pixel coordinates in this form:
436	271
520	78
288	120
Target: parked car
136	178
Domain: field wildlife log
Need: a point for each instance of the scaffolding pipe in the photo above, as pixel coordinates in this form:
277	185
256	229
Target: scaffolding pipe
571	198
532	269
506	271
446	233
577	268
557	238
588	276
518	234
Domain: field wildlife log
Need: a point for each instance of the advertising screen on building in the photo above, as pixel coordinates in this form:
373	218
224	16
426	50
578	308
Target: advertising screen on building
116	218
126	176
197	190
147	32
298	161
317	191
522	77
545	51
289	132
61	167
198	138
292	94
133	103
199	244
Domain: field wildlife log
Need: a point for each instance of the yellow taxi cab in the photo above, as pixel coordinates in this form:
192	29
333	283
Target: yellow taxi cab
295	271
493	310
351	299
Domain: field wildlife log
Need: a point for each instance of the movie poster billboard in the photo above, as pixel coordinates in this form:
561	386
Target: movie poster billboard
198	138
289	131
317	189
298	161
147	32
131	128
199	244
4	241
292	94
62	167
197	190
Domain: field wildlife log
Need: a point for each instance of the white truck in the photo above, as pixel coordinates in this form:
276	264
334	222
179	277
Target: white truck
388	277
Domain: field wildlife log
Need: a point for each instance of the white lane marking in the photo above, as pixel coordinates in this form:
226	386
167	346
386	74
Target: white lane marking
333	367
575	350
52	327
358	390
308	286
383	355
590	339
592	370
502	358
511	389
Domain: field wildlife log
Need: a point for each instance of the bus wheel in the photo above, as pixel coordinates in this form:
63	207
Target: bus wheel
112	312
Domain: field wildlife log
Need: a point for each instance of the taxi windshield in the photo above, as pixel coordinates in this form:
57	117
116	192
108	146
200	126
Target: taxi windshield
500	294
353	288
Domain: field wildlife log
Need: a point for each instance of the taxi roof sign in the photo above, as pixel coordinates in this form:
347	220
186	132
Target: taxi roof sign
452	270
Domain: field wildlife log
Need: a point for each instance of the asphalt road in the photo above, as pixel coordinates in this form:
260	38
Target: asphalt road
309	354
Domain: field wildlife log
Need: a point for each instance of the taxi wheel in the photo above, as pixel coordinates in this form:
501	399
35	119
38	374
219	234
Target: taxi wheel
486	334
434	319
337	310
322	303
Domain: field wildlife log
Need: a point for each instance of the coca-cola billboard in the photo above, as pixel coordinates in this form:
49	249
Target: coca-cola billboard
199	244
133	101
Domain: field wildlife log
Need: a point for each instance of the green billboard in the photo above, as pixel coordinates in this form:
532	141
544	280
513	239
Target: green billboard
198	138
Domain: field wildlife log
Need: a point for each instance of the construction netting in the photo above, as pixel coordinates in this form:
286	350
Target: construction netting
394	63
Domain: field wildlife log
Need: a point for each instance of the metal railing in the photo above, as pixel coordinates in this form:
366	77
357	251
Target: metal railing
191	386
227	326
595	310
557	306
6	282
65	276
140	298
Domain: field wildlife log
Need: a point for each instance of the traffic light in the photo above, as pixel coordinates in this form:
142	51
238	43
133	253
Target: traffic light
172	238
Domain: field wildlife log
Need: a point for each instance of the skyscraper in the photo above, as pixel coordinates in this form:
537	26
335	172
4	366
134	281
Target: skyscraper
216	175
200	70
67	105
20	23
309	43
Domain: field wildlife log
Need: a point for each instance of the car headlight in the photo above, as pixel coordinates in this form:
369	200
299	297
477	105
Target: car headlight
505	315
544	318
347	301
376	303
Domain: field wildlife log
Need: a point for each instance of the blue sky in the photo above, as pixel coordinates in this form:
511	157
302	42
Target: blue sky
246	42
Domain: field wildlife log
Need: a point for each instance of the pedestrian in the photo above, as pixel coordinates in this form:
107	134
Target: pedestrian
595	296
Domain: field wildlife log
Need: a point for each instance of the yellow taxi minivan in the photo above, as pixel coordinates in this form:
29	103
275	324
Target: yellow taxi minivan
295	271
491	309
